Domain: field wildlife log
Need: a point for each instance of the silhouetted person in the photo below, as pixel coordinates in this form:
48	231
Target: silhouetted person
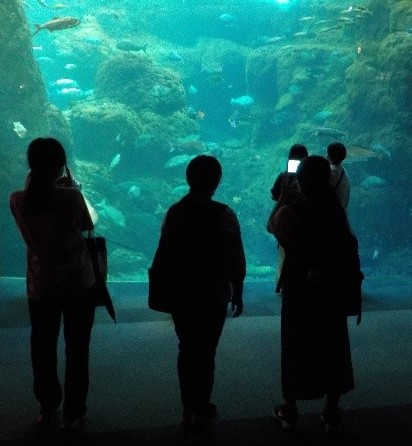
339	180
315	349
285	183
285	191
51	216
208	253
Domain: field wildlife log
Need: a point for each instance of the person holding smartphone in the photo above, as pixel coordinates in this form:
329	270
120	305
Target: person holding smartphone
284	192
285	183
315	347
51	214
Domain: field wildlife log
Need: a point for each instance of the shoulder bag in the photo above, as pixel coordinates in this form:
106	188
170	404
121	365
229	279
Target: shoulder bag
98	255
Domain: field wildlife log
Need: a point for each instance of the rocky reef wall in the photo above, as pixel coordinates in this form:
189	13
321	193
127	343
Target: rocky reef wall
24	115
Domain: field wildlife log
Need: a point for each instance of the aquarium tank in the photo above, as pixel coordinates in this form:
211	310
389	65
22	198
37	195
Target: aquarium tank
134	89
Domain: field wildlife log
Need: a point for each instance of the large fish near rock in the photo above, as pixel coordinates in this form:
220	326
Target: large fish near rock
355	153
57	24
327	131
111	213
179	160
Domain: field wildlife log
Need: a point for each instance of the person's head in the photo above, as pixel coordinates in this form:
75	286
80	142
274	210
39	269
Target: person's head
203	174
46	158
298	152
313	174
336	153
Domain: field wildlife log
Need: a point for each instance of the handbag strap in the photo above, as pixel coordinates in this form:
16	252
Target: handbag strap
336	186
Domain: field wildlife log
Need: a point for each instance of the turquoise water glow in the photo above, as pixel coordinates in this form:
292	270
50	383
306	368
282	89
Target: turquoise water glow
145	86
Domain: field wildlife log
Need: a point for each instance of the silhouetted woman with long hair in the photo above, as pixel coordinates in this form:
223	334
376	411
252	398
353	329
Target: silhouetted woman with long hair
315	349
51	215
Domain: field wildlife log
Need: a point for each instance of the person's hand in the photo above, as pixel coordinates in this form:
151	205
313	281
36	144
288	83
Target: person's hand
237	307
68	181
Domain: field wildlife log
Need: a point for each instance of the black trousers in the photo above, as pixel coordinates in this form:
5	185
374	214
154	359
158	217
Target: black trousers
78	317
199	334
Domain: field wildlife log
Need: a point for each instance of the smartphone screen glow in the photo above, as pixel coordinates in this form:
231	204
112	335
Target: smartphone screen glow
293	166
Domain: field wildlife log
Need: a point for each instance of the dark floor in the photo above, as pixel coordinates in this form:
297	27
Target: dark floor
134	398
389	426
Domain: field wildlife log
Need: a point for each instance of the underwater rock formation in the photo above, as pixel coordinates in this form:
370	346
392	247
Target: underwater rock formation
121	131
137	112
261	75
136	81
24	115
107	121
400	15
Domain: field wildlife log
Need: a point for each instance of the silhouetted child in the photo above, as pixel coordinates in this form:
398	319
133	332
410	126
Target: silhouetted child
339	180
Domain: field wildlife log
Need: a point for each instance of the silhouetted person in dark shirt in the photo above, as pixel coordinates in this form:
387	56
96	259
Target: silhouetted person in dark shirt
315	349
212	266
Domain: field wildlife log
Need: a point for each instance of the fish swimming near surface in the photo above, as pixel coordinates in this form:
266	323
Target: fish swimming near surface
180	190
174	56
134	192
227	19
191	143
43	3
373	181
192	90
71	92
59	6
322	115
307	19
45	59
265	40
379	148
216	78
331	28
93	40
115	161
354	154
128	45
194	146
19	129
179	160
242	101
64	83
160	210
111	213
57	24
327	131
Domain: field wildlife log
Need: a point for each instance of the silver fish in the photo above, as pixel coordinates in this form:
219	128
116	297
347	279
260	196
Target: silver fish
19	129
179	160
115	161
326	131
111	213
373	181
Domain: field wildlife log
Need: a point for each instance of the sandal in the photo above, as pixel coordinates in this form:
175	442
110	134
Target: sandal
286	415
331	417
